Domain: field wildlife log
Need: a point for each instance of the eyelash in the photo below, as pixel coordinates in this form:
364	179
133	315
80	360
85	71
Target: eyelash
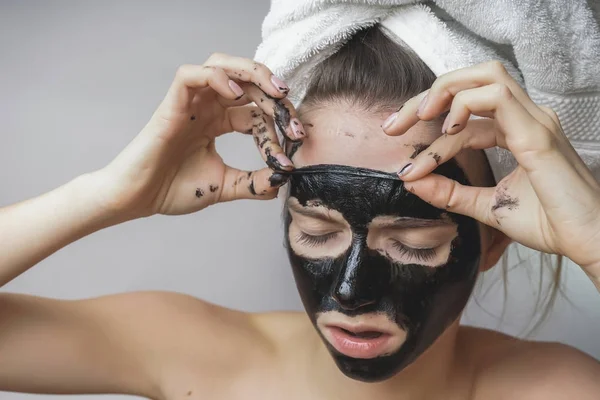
419	254
313	241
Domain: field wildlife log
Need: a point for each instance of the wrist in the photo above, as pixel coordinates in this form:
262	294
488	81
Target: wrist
90	195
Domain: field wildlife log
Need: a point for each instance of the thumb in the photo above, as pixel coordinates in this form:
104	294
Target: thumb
445	193
262	184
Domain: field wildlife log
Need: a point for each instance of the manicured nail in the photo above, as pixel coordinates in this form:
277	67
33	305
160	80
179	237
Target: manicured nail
445	125
283	160
405	169
297	128
279	84
389	121
235	88
422	105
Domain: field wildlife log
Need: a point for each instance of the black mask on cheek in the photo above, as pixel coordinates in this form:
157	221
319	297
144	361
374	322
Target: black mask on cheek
422	300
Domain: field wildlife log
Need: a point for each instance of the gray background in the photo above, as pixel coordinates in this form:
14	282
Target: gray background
78	80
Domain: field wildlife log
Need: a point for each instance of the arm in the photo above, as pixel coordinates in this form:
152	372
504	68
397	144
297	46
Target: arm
34	229
150	344
137	343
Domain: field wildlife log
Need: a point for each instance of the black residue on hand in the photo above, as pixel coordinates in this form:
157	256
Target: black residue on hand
213	188
281	114
199	192
418	148
251	188
278	179
503	199
271	160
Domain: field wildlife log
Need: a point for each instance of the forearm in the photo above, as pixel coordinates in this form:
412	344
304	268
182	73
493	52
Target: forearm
34	229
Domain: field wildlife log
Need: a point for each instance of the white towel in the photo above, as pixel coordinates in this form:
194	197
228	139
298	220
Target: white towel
551	47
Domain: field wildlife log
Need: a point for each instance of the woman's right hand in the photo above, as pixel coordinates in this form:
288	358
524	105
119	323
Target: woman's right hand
172	166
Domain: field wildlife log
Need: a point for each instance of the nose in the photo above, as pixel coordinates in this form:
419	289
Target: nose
347	297
354	287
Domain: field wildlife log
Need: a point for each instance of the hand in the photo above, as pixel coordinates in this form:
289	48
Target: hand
172	166
550	202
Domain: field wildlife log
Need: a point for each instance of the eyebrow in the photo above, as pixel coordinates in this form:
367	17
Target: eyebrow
408	223
312	212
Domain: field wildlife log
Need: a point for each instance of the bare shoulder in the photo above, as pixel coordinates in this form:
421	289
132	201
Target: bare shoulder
190	345
509	368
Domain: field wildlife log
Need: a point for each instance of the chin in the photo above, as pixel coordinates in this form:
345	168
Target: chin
371	370
378	359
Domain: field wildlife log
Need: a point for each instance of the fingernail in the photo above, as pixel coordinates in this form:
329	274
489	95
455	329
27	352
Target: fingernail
278	179
422	105
445	125
279	84
283	160
389	121
235	88
405	169
297	128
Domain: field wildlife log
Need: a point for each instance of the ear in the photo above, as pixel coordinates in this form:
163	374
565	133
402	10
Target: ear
493	247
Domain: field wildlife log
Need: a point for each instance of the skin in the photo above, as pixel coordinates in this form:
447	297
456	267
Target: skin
126	343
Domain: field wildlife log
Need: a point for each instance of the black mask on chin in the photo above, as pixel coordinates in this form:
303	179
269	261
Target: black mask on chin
422	300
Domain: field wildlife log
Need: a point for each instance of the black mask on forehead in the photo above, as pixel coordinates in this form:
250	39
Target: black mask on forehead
422	300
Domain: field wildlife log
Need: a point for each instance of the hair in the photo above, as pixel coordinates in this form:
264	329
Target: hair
374	73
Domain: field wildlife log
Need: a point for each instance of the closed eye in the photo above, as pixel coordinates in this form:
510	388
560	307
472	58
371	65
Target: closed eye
315	240
423	254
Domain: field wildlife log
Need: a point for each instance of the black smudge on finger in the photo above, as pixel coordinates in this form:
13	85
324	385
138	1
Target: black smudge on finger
199	192
278	179
293	147
281	114
271	160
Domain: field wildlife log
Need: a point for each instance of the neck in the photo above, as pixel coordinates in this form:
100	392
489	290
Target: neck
430	376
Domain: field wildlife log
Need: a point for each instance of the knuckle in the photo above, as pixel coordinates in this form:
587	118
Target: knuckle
496	68
183	70
551	113
460	98
501	91
215	58
452	199
261	68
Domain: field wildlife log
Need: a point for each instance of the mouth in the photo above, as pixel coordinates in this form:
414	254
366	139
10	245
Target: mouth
363	342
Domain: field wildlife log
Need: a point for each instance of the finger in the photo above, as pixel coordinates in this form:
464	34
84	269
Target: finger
442	92
406	116
247	70
523	135
263	184
238	102
482	134
445	193
252	120
534	146
281	110
189	79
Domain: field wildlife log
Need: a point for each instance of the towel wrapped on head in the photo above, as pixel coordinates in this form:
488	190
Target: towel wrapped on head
551	47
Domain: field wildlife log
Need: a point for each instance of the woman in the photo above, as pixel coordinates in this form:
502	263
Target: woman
383	267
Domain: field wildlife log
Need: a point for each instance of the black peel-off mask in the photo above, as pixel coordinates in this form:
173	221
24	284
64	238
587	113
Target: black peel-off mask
422	300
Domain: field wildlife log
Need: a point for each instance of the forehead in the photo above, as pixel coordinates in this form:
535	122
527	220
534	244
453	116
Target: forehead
346	136
359	198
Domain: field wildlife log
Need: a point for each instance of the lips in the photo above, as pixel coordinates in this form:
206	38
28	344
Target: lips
365	336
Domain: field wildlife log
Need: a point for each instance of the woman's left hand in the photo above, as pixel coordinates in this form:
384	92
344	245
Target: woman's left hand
550	202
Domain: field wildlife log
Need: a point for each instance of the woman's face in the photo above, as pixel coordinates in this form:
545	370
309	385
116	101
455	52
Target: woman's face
381	273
